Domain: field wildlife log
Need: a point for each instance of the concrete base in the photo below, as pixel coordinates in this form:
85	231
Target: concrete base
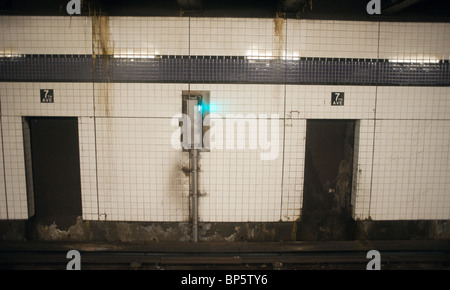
112	231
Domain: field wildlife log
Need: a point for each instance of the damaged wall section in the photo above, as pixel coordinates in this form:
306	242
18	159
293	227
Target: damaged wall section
146	232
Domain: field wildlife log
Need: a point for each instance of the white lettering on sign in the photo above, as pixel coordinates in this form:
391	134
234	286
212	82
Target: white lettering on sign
47	96
337	98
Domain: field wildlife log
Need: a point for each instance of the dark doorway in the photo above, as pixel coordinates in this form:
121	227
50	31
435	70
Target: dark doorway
55	170
326	213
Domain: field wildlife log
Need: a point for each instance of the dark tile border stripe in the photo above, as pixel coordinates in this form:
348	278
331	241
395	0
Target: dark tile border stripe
222	69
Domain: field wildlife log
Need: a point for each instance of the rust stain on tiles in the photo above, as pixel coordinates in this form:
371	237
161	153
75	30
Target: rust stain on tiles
278	25
103	47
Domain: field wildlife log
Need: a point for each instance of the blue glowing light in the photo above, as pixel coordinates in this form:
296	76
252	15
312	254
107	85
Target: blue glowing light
212	108
206	108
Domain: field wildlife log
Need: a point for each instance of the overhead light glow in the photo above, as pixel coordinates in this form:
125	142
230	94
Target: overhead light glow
10	55
415	60
134	56
252	57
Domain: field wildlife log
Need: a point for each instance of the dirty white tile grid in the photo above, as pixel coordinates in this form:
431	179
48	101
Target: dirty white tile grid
145	36
345	39
431	103
28	166
138	100
15	183
45	35
228	100
362	168
130	170
293	170
88	169
263	38
239	184
411	170
3	205
23	99
139	172
314	102
427	42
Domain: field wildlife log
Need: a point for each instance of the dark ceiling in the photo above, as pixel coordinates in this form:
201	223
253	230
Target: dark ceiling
392	10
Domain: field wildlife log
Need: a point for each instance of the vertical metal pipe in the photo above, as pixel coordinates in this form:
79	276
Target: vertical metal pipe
194	112
194	172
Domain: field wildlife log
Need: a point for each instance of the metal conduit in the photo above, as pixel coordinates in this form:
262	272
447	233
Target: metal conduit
194	193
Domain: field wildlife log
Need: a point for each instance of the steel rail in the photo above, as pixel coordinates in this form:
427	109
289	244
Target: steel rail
11	256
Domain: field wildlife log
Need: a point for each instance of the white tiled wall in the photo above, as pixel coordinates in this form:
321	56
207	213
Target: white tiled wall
233	99
411	154
23	99
414	41
293	169
148	36
314	102
362	168
239	184
340	39
14	164
411	170
130	171
139	172
28	166
138	100
3	205
430	103
45	35
238	37
88	167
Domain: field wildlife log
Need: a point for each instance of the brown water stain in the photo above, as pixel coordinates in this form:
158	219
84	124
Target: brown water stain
103	48
278	25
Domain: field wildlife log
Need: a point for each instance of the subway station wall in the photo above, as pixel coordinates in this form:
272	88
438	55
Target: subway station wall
123	77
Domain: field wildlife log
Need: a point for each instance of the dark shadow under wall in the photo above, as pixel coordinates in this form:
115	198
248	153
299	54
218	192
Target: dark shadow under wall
111	231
